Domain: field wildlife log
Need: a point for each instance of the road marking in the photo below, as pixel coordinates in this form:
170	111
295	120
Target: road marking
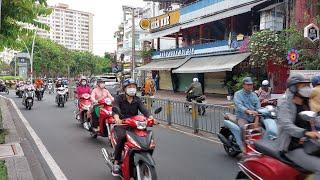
191	134
57	172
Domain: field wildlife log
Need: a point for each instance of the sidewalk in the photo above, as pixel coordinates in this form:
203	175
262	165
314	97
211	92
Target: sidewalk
18	153
180	96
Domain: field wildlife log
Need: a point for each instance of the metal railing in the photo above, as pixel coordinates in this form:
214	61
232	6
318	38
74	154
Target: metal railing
189	114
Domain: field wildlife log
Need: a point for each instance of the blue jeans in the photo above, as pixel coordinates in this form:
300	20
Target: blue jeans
271	129
236	131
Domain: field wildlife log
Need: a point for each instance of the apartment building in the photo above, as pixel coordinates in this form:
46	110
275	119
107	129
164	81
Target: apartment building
70	28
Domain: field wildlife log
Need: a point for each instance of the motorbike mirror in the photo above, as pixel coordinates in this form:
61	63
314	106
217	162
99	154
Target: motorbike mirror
158	110
308	115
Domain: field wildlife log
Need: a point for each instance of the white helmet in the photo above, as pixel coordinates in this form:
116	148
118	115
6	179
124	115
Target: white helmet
195	80
265	83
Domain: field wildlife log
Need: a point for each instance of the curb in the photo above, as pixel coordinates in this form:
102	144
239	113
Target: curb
39	151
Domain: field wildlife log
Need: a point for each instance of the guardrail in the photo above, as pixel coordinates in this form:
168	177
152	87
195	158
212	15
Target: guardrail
189	114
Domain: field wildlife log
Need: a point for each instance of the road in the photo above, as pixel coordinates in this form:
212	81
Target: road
178	156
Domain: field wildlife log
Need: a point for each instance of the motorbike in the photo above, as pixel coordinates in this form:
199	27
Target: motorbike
200	104
4	88
268	163
105	119
84	104
61	96
29	98
231	130
67	91
39	93
50	88
137	161
19	90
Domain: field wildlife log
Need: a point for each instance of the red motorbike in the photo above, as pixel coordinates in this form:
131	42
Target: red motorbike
137	161
268	163
83	105
105	119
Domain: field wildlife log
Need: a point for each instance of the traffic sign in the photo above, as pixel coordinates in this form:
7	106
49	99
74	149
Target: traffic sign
311	32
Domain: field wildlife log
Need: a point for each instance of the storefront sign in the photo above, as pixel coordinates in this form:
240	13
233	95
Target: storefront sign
145	24
168	19
177	52
311	32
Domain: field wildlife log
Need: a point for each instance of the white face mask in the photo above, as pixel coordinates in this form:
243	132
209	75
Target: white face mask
102	85
305	91
131	91
83	82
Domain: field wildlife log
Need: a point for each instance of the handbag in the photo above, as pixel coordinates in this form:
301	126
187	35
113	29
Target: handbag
312	147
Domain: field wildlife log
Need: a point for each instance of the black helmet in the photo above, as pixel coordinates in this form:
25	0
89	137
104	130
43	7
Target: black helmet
99	80
128	82
295	79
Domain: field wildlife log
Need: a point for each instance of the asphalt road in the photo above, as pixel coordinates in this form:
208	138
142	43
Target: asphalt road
178	156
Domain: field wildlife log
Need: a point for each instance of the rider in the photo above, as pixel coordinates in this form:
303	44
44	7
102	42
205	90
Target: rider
27	86
83	87
98	94
129	105
264	92
59	83
315	95
292	128
195	90
246	104
2	84
39	83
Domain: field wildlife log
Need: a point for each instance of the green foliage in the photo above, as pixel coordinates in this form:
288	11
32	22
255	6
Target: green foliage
236	83
146	53
3	171
15	14
9	78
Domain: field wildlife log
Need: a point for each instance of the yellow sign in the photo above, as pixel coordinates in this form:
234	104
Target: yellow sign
145	24
164	20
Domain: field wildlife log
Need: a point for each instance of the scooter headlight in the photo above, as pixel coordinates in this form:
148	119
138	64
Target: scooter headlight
108	101
141	125
273	114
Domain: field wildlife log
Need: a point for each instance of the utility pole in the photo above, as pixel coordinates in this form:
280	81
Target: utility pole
31	58
133	44
15	65
0	12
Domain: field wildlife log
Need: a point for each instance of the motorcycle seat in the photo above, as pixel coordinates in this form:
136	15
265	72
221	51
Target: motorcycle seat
269	148
231	117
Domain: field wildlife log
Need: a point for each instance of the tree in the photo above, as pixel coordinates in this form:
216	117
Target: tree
15	14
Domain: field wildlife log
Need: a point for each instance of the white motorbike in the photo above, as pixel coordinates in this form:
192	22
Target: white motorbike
50	88
61	96
28	98
67	91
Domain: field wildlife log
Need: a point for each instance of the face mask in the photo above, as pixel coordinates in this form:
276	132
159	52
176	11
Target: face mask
131	91
28	83
83	83
102	85
305	92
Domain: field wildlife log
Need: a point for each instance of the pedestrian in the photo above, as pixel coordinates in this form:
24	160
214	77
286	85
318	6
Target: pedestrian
156	80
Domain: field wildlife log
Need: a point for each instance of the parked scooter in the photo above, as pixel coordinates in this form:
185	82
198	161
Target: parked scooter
105	119
61	96
137	156
28	98
231	130
268	163
83	105
39	93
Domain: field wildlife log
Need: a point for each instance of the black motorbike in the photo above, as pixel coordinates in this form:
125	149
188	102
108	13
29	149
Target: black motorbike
29	98
4	88
200	104
19	90
39	93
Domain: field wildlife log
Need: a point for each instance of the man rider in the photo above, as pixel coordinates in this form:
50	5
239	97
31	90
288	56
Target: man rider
246	104
2	84
292	128
195	90
264	92
129	105
98	94
59	83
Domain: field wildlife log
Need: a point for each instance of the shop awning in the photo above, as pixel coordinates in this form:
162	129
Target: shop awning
163	64
212	63
222	15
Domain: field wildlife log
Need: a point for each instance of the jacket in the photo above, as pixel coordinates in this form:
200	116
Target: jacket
82	90
287	112
244	101
196	89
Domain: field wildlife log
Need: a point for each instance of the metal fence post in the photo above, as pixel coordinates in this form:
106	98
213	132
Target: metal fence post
169	112
195	118
149	101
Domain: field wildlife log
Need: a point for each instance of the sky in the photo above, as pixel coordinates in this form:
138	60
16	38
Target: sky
107	17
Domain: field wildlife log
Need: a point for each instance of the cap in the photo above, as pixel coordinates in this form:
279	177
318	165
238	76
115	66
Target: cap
247	80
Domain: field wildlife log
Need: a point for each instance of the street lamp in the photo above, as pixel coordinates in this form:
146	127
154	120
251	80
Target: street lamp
133	51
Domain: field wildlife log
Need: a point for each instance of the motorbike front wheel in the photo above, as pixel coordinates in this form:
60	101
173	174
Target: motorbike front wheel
231	150
7	91
147	172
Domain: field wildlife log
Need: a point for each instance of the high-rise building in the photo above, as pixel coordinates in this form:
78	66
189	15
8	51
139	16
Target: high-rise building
70	28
